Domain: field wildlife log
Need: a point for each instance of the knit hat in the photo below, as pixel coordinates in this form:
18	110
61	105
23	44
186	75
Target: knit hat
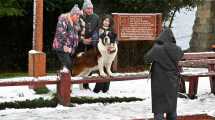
87	4
75	10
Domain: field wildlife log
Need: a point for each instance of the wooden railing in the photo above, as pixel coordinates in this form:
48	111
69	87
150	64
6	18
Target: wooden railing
64	83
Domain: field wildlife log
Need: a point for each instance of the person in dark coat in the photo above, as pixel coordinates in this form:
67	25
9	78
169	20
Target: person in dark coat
89	21
164	56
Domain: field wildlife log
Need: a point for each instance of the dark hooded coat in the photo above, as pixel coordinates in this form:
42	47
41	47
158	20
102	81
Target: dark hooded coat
164	56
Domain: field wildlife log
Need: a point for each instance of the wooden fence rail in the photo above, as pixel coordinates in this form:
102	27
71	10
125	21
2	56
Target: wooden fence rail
64	80
64	83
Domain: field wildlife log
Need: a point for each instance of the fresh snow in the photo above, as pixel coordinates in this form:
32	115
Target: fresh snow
205	104
117	111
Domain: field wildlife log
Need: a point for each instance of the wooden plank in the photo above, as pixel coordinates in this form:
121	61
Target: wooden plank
84	80
108	79
198	62
198	55
23	83
187	117
198	74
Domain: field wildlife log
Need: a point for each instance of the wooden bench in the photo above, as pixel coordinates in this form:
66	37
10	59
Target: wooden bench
197	59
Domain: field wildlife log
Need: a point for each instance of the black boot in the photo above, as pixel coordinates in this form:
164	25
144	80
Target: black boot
98	87
86	86
106	87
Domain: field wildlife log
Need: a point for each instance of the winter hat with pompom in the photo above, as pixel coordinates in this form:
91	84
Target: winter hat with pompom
87	4
75	10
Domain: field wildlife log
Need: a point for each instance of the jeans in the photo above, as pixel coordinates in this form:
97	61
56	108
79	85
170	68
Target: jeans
169	116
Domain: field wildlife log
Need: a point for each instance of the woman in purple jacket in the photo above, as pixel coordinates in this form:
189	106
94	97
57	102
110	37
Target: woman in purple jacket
66	37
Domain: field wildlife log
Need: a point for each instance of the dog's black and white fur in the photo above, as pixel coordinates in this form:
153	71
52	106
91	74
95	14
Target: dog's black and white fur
103	57
108	49
92	60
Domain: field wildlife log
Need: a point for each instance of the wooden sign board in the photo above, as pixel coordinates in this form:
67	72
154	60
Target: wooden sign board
143	26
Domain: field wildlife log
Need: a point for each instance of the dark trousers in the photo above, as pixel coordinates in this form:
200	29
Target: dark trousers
65	59
169	116
104	87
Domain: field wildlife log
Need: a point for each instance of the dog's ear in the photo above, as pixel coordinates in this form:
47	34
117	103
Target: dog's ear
102	35
112	35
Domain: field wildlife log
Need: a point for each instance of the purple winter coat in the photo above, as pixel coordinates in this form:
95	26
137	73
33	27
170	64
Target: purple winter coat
66	35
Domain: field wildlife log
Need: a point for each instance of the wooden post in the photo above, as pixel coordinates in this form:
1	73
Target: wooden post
193	87
212	84
38	25
182	87
63	89
37	44
211	67
37	63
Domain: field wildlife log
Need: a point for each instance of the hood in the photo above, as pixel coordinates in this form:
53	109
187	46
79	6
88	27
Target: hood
166	36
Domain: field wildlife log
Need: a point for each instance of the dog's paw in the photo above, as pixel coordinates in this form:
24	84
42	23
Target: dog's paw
112	74
103	74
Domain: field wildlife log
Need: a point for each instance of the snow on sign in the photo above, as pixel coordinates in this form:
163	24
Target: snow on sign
137	26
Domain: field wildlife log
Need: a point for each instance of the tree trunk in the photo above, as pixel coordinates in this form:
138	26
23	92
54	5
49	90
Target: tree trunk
204	27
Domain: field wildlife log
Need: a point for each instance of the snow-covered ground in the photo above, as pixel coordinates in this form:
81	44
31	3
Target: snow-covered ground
117	111
205	103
